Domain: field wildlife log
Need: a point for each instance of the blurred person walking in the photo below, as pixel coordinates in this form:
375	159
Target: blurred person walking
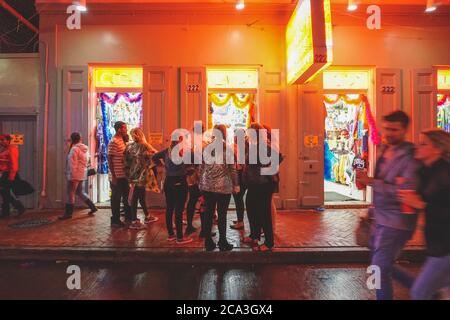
77	164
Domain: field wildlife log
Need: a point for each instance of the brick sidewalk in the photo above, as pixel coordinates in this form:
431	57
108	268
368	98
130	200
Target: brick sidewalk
333	228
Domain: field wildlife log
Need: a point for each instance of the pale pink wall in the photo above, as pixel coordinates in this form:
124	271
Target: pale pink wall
173	45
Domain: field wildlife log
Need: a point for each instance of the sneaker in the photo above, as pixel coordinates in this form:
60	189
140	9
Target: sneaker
184	240
137	225
64	217
237	226
150	219
171	238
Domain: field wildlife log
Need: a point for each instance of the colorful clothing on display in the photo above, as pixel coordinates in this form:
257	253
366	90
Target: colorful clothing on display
443	112
113	107
347	126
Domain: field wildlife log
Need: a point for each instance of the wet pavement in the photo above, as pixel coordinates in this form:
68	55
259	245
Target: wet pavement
332	228
34	280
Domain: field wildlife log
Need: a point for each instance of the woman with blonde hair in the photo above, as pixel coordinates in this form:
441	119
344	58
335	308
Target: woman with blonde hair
433	196
218	180
140	174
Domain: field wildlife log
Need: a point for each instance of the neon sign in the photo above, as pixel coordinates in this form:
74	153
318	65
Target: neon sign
443	79
346	79
118	77
308	40
232	78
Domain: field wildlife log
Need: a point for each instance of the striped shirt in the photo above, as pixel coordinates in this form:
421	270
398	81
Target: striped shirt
116	150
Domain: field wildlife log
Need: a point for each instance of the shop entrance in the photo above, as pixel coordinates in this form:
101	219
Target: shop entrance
345	146
232	98
443	100
116	95
346	137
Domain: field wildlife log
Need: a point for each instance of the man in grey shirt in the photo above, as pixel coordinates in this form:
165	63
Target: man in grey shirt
394	226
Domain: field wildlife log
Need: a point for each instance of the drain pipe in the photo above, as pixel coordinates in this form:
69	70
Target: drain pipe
44	160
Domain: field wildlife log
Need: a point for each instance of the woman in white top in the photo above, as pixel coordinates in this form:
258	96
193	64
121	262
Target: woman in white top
76	174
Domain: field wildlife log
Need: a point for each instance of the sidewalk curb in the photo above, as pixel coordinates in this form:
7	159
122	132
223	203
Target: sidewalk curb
199	256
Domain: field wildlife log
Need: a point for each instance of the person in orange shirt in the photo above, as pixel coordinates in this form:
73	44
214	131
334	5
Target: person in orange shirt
9	165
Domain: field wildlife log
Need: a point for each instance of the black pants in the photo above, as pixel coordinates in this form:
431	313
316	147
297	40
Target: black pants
239	201
120	191
259	212
221	201
176	191
194	194
8	198
138	195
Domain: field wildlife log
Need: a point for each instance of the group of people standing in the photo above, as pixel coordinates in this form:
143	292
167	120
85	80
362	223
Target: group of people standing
408	179
133	172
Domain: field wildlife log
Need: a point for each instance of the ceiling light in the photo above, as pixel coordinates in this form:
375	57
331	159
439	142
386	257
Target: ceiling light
240	5
352	6
431	6
81	5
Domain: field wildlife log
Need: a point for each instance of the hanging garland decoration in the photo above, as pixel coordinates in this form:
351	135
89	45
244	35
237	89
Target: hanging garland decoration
374	133
334	98
362	98
240	103
442	98
220	100
127	96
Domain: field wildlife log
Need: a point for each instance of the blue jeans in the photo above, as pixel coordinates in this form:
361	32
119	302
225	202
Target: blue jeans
435	275
386	244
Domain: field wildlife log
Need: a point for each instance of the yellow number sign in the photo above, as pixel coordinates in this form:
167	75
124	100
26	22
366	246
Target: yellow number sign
17	138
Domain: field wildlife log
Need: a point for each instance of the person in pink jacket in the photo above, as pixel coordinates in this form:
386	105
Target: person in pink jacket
9	166
76	174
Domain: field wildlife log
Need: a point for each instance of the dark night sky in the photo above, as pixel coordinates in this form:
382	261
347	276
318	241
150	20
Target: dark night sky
15	37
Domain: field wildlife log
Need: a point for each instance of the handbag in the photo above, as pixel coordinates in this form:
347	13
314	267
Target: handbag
364	229
21	187
91	172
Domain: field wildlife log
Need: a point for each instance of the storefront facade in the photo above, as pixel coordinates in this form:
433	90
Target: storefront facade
177	47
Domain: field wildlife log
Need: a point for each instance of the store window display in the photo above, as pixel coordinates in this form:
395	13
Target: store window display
349	125
443	112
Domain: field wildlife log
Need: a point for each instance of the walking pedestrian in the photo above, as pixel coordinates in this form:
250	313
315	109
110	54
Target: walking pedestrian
76	174
9	166
392	228
433	196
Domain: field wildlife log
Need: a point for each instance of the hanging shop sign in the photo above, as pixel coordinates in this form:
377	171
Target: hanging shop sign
118	77
308	40
17	138
444	79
